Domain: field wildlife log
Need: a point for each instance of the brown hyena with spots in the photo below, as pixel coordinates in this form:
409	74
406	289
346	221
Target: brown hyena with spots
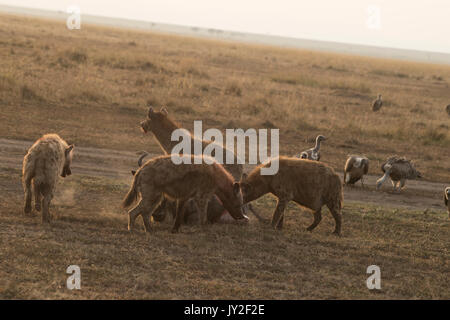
311	184
161	178
162	126
48	157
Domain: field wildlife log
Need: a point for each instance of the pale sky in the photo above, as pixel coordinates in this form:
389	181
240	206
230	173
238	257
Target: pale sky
408	24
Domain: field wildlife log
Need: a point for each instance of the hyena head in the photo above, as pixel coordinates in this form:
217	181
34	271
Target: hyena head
236	203
246	188
67	161
155	120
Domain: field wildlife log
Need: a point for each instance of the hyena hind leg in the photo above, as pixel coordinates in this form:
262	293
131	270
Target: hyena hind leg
46	216
147	210
37	196
133	214
27	197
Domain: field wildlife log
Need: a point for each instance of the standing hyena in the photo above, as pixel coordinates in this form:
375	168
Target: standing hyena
159	123
161	177
49	157
311	184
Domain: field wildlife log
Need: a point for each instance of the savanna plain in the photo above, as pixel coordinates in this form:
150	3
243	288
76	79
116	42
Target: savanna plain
93	86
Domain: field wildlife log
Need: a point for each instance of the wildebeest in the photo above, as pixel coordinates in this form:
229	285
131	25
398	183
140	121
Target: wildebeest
161	177
47	158
310	184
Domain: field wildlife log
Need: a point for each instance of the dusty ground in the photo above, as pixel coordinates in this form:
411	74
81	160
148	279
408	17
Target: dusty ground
116	164
92	87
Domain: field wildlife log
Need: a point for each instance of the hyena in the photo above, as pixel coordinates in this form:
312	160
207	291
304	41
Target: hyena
160	177
310	184
159	123
214	207
47	158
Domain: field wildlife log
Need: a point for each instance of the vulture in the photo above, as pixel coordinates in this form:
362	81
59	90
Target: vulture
377	104
398	170
356	167
447	199
448	109
313	153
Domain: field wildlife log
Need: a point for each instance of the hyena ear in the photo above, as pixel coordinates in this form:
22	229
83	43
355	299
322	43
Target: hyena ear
69	148
245	187
236	188
164	111
150	112
133	172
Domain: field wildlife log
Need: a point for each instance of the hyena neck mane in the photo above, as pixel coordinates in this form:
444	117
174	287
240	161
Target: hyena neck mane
224	180
259	185
162	131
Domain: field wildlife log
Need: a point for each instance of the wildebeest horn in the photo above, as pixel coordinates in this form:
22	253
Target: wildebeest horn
142	158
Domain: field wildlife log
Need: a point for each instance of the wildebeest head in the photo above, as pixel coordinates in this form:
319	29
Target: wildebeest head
68	153
154	118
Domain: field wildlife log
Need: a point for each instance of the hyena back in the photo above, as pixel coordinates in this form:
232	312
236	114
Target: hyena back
160	177
47	158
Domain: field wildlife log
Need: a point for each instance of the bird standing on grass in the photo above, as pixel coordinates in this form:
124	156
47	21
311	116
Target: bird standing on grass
313	153
398	170
356	167
377	104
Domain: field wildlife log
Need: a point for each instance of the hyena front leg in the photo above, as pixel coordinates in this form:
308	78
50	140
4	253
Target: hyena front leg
202	207
317	219
179	217
278	215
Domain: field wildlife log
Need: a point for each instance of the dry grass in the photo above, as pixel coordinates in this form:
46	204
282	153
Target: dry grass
92	87
221	261
101	80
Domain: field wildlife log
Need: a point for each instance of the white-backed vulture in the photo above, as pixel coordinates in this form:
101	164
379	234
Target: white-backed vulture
377	104
356	167
398	170
313	153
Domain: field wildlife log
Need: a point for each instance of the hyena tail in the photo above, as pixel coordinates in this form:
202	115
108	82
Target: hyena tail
132	194
27	175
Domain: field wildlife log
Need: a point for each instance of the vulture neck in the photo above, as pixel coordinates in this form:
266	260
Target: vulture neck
317	146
